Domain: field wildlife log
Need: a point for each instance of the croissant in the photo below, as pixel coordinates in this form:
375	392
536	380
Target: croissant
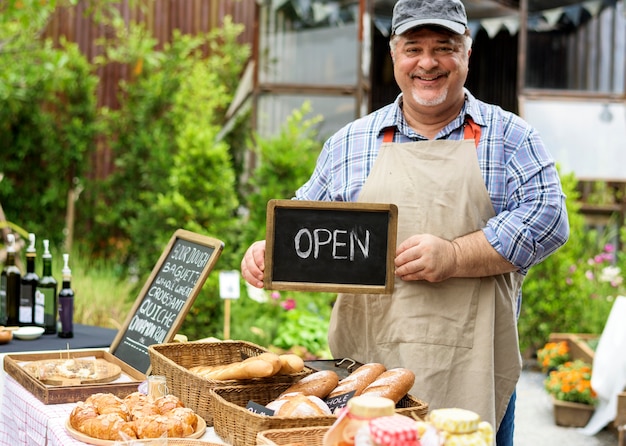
105	427
154	426
108	403
166	403
104	416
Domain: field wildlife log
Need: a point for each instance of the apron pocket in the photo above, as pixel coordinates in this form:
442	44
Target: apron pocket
430	313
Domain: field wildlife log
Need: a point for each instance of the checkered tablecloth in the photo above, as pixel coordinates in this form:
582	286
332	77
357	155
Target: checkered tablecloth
24	420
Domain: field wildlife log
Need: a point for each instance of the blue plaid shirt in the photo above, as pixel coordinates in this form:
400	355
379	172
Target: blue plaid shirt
520	175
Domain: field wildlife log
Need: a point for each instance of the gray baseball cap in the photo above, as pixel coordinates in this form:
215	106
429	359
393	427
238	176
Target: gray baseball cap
409	14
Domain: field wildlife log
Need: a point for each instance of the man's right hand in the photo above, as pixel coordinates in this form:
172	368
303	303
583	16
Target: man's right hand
253	264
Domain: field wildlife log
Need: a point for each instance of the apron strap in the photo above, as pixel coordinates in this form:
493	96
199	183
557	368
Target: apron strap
471	131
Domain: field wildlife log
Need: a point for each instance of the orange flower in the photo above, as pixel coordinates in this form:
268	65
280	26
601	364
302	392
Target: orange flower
552	354
571	381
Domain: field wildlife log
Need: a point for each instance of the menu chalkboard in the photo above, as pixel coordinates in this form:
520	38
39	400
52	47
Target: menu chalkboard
166	297
330	246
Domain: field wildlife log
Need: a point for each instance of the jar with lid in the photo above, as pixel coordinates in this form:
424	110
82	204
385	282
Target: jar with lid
352	425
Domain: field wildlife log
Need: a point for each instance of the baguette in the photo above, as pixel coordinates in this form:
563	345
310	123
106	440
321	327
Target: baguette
358	380
393	384
290	363
318	384
261	366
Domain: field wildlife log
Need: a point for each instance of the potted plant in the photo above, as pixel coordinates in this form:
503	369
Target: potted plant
573	397
552	355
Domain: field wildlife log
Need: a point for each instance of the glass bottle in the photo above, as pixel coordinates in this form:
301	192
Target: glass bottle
10	286
28	285
46	307
66	301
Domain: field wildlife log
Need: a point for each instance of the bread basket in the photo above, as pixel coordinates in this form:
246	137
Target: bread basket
174	359
310	436
238	426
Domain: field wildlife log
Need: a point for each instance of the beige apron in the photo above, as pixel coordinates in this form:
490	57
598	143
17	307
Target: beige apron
459	336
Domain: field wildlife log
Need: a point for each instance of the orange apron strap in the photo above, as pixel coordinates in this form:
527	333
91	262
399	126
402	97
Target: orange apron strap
472	131
388	135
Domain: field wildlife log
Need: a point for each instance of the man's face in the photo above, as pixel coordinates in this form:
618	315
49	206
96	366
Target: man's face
430	67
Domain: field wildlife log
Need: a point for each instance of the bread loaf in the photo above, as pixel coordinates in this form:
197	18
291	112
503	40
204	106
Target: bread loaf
393	384
299	405
318	384
358	380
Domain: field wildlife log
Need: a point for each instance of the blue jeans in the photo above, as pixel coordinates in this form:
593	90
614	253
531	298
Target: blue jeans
504	436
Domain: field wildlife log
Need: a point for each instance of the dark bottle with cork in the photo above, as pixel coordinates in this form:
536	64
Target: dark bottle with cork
66	301
46	307
10	286
28	285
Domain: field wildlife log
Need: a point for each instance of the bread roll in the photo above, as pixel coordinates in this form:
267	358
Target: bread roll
290	363
299	405
392	384
318	384
359	379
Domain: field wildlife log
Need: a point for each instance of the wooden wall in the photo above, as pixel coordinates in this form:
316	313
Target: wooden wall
162	17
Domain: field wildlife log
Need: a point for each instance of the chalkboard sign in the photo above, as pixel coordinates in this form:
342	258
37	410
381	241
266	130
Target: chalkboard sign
166	297
330	246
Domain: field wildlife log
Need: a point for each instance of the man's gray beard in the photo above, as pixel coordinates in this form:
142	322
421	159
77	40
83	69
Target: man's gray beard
431	102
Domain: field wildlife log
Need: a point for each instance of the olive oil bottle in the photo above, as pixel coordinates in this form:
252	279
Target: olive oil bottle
66	301
28	285
10	286
46	308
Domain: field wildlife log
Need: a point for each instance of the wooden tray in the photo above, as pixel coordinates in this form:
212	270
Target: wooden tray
69	372
77	435
127	384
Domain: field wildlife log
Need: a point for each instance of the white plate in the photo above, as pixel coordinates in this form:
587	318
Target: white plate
28	333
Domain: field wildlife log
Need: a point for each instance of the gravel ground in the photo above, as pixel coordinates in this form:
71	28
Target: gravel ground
534	420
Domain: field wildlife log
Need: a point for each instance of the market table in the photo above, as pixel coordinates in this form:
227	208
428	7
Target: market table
24	419
85	336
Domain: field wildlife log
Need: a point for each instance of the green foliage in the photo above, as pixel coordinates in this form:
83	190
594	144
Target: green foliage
284	163
284	321
47	119
569	283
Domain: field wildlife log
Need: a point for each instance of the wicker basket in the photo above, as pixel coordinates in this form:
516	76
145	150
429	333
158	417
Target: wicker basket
173	360
238	426
310	436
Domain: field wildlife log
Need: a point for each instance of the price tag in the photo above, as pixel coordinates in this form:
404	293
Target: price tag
259	409
339	401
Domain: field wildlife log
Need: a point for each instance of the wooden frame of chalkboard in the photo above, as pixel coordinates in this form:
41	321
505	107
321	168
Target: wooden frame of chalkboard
166	297
330	246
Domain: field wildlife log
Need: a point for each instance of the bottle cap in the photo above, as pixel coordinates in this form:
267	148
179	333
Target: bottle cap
371	406
31	246
46	249
66	271
10	243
